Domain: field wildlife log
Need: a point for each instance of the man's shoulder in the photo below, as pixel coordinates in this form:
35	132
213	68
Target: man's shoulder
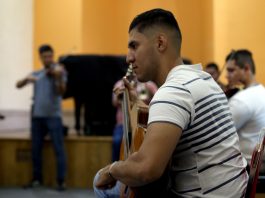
250	97
36	72
241	97
249	93
172	87
173	94
181	76
259	89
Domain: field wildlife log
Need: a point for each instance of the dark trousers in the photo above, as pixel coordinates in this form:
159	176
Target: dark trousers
39	128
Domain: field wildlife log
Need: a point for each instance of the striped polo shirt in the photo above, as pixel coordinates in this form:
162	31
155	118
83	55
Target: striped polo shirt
207	161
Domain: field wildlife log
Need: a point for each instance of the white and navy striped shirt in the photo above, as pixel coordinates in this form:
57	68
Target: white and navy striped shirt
207	161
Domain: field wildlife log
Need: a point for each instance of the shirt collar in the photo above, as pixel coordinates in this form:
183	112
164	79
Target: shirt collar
184	67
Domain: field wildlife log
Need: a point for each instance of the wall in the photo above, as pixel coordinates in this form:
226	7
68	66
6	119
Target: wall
58	22
105	25
15	52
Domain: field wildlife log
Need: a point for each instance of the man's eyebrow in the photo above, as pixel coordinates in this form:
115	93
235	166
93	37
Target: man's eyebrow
131	44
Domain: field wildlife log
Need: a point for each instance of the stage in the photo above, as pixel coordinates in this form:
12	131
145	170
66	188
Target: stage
85	156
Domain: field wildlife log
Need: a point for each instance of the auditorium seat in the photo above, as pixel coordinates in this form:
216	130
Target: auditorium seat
255	165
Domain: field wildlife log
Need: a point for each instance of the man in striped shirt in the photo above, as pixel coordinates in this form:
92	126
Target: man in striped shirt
189	121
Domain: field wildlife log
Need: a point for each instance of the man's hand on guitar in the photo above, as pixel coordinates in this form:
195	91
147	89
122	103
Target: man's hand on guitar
105	181
131	87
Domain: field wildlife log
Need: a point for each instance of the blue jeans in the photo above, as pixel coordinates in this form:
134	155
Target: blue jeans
39	128
116	142
110	193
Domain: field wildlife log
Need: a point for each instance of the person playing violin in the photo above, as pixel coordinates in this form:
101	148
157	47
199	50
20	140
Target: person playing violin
189	122
49	85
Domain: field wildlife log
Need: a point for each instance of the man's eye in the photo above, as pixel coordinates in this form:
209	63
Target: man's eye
134	46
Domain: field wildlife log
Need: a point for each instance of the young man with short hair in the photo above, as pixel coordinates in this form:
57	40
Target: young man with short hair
189	121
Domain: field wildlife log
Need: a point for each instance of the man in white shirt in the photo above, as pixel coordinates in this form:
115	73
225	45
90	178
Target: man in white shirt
189	122
248	105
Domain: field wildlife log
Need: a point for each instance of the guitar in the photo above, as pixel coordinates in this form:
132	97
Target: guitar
135	119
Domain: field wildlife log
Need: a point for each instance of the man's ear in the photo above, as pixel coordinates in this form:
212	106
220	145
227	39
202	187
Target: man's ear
162	42
247	67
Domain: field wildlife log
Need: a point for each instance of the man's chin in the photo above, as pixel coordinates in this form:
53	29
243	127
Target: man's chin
142	80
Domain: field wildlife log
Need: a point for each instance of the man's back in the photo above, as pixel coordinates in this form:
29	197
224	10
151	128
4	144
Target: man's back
248	110
207	161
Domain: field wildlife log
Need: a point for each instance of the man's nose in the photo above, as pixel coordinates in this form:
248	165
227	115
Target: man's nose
226	75
130	58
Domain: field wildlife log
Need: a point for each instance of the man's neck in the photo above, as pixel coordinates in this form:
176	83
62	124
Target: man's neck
49	66
165	69
250	82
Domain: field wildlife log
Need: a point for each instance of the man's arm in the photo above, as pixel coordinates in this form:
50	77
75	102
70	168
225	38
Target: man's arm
25	81
149	163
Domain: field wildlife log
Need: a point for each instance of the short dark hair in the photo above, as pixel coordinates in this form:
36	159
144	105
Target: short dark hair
213	66
45	48
241	57
156	17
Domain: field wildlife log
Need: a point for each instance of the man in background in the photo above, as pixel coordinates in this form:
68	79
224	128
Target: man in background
248	105
49	85
212	68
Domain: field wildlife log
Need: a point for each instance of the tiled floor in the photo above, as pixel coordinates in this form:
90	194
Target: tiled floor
44	193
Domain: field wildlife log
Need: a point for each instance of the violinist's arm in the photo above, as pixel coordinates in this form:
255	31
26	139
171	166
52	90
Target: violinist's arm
23	82
149	163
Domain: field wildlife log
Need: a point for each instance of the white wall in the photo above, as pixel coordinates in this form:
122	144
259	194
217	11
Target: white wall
16	43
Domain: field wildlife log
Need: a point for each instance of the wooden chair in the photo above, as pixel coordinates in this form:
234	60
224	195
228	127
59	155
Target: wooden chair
255	165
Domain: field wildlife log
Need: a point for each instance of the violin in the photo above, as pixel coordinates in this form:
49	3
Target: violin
135	117
55	70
